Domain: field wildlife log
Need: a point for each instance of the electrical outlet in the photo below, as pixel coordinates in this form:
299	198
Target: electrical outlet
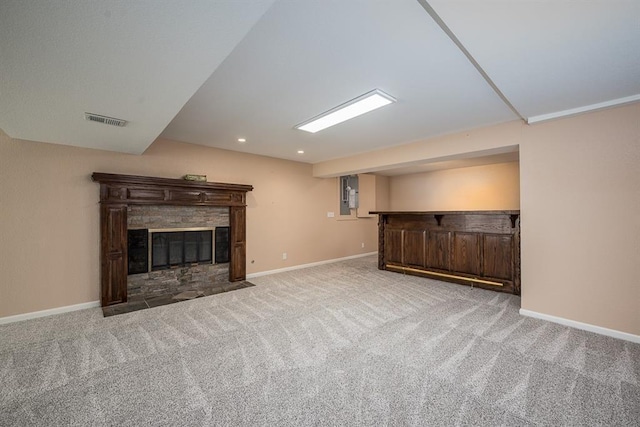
363	244
330	214
284	255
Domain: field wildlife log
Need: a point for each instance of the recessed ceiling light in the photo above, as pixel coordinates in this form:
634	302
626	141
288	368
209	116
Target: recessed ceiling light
356	107
241	140
300	151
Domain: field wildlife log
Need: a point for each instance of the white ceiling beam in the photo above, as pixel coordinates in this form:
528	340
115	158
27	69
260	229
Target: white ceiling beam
585	109
434	15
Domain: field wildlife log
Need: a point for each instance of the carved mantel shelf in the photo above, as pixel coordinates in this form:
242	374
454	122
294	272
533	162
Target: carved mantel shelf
117	192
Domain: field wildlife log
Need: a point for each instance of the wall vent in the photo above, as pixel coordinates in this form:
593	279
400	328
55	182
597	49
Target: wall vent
104	119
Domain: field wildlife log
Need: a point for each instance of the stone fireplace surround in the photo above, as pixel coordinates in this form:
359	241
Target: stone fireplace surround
175	280
124	196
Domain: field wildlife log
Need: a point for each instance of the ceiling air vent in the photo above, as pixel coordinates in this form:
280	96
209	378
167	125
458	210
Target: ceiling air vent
104	119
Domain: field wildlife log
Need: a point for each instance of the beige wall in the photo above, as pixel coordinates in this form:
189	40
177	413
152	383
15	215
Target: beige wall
488	187
383	193
580	208
49	219
499	139
580	201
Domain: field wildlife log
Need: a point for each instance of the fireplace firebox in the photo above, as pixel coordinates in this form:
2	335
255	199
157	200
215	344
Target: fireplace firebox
179	248
161	249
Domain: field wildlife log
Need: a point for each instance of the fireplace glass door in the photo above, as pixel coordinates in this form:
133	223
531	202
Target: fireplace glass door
180	248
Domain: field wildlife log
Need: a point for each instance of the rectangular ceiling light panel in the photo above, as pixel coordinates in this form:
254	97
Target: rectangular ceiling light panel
356	107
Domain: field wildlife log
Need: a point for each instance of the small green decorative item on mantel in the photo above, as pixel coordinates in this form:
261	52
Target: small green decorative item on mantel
202	178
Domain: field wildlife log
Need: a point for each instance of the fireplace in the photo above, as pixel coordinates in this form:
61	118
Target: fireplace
161	249
140	204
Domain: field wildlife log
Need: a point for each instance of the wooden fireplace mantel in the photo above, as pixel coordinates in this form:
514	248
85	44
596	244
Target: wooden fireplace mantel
117	192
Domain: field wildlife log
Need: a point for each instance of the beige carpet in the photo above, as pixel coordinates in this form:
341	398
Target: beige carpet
339	344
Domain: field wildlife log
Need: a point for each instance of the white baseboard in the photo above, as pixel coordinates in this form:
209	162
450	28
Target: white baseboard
313	264
584	326
93	304
50	312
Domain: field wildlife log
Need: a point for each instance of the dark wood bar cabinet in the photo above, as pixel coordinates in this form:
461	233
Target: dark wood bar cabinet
477	248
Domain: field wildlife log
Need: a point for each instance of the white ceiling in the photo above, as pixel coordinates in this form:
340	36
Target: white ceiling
135	60
304	58
549	55
210	72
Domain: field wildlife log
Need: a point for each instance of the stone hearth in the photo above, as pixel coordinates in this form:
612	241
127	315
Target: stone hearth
141	302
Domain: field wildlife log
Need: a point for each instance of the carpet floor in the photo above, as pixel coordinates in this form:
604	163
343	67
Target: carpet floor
338	344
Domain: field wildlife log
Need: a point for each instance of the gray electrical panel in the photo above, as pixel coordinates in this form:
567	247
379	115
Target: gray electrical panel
348	194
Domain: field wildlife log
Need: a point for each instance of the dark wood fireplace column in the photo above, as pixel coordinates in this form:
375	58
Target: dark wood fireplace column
117	192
